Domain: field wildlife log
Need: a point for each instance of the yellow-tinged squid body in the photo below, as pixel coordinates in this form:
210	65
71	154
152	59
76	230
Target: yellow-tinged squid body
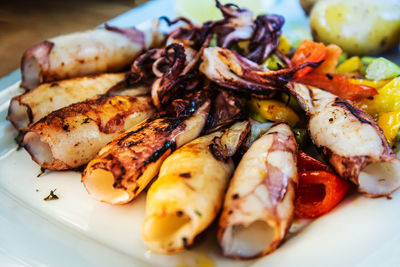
124	167
70	137
259	204
188	193
33	105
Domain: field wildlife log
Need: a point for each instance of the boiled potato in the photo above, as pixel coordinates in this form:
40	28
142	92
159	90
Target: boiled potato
359	27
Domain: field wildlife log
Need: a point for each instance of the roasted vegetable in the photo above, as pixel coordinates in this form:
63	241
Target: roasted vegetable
390	124
359	27
352	64
274	110
307	163
331	60
374	84
387	100
319	189
382	69
318	193
339	85
308	51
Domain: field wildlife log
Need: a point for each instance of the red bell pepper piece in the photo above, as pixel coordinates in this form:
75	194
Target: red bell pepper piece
308	51
339	85
307	163
319	190
318	193
331	60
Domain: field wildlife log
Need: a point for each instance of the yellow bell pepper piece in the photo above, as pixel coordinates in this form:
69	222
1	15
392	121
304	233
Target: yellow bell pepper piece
244	45
390	124
274	110
387	100
284	45
352	64
291	101
273	63
257	117
375	84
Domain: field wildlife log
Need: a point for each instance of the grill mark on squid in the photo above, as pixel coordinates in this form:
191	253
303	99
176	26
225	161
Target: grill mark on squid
360	115
57	118
137	138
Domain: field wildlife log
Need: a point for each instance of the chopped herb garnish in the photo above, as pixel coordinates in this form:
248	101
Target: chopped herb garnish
85	120
42	170
51	196
198	213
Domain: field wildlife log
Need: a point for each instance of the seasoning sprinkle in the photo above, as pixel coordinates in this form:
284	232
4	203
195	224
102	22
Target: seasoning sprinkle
51	196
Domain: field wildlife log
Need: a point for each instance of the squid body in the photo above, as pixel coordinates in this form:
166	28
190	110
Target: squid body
124	167
109	49
350	140
259	204
188	193
71	136
33	105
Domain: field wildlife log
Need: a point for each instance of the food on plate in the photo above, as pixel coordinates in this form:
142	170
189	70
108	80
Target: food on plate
382	69
125	166
224	95
33	105
188	193
359	27
387	99
350	140
259	204
274	110
71	136
108	49
319	190
174	79
390	124
229	69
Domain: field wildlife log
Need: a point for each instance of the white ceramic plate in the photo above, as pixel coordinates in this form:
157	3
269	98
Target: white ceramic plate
78	231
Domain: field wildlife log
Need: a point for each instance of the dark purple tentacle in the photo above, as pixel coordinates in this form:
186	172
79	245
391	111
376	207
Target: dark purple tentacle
265	39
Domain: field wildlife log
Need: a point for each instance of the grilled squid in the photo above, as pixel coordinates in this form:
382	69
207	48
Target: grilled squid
188	193
229	69
237	24
28	108
259	204
124	167
176	79
70	137
101	50
350	140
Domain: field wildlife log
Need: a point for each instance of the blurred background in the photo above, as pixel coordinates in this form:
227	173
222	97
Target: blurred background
24	22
